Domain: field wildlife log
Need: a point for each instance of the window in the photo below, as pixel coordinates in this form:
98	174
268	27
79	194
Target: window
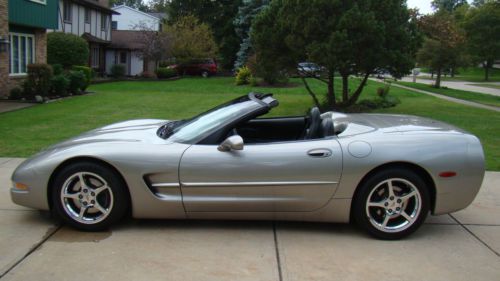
87	15
67	14
123	57
104	21
22	53
95	57
39	1
114	25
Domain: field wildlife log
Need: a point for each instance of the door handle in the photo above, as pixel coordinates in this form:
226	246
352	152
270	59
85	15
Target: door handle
319	153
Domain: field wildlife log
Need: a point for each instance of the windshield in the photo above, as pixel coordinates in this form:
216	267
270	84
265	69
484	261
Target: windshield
197	128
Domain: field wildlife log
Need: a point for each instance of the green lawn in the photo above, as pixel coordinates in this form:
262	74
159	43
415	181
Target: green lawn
471	74
26	131
464	95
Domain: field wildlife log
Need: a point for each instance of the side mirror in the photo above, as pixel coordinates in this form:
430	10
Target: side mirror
231	143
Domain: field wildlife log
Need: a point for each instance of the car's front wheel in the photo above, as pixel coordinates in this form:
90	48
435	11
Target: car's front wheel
89	196
391	204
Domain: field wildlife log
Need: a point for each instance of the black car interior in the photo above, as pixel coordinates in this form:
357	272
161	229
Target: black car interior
263	130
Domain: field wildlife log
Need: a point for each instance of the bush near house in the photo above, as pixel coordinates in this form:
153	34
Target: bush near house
117	71
77	82
87	71
38	81
164	72
60	85
66	49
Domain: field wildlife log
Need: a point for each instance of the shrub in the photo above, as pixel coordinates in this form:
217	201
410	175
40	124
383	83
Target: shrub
60	85
57	69
89	74
16	93
76	81
243	76
118	70
66	49
164	72
39	76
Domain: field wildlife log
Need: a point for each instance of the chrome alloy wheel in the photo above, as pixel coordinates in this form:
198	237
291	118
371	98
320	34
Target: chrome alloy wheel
86	198
393	205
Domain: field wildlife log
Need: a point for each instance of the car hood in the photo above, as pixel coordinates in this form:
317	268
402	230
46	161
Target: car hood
143	130
390	123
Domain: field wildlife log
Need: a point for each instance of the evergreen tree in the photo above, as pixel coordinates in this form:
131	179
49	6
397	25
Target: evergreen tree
242	23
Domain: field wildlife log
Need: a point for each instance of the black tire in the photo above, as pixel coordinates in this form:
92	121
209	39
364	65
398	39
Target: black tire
112	197
398	225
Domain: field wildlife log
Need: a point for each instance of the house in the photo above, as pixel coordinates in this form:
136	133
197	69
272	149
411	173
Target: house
23	37
90	19
133	19
128	28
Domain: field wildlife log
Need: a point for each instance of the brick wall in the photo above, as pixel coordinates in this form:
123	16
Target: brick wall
4	56
41	46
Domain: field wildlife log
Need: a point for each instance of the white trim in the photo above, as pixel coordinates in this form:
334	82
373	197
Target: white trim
42	2
33	54
137	11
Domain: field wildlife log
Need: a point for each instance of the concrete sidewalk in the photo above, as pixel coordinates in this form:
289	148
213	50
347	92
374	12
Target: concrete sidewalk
461	246
460	85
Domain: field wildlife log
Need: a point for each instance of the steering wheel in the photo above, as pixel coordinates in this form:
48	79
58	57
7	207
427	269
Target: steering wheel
314	123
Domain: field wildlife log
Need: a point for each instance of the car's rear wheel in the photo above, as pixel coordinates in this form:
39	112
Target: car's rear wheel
89	196
391	204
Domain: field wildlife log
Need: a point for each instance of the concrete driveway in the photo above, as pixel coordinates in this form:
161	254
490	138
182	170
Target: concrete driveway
460	85
463	246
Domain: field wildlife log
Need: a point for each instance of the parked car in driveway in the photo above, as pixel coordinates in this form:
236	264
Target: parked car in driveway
385	172
203	67
309	69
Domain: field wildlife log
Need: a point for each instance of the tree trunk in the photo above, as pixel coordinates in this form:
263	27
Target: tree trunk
330	96
452	72
486	72
345	88
311	93
438	79
352	100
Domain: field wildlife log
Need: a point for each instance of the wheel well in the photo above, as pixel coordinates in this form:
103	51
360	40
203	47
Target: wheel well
82	159
402	165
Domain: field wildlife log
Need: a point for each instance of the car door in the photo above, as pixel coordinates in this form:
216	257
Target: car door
269	177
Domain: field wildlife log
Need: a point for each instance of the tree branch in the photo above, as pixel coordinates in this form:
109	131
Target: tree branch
358	91
311	93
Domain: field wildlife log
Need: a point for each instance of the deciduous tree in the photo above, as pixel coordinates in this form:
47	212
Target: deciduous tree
351	37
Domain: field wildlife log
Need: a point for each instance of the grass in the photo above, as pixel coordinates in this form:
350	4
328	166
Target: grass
26	131
471	74
464	95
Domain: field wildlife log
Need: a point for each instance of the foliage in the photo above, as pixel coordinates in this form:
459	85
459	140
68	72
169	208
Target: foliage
89	74
447	5
38	80
155	46
66	49
77	81
57	69
243	76
482	26
242	24
60	85
191	39
444	44
165	72
136	4
118	71
349	37
219	16
16	93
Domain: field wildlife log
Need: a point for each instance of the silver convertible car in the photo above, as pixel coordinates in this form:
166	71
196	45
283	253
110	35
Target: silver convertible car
385	172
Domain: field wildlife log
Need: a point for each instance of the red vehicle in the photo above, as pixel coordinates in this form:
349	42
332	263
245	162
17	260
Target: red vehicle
203	67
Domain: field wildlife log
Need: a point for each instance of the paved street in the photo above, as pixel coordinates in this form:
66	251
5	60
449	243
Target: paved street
463	246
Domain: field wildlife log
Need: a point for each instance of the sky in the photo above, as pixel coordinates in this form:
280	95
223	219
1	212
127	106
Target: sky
424	6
